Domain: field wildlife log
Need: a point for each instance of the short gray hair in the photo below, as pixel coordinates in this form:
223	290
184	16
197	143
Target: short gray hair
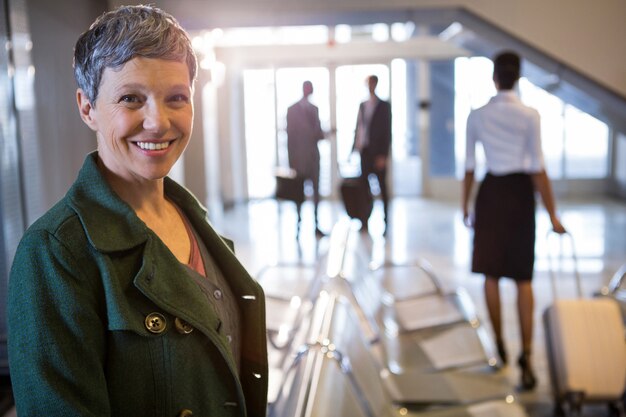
125	33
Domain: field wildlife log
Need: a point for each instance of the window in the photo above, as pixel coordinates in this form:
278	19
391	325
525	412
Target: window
587	145
575	144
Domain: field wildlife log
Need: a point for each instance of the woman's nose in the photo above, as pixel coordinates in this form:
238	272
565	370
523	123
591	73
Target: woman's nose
156	118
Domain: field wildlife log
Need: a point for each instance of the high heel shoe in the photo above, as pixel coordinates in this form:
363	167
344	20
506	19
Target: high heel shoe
528	381
502	352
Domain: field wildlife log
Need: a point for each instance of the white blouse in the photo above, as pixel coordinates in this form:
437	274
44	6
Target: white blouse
510	134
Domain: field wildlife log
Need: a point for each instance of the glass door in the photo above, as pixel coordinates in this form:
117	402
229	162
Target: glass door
289	91
351	90
404	175
260	131
269	92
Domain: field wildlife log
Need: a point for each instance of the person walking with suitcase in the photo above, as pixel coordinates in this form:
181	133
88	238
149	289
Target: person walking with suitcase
303	132
373	140
504	222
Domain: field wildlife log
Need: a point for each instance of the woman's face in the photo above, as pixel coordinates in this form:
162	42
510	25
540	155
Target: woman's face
142	117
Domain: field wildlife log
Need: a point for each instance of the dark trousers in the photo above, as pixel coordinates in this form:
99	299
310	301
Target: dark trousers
314	179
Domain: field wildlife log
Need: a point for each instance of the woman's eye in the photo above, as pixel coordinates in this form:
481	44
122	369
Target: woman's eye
180	98
129	99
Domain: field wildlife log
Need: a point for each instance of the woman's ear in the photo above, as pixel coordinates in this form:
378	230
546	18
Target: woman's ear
86	109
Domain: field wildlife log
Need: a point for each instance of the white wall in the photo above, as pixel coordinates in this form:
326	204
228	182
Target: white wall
63	139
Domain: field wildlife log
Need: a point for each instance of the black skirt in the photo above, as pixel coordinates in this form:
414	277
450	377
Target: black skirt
504	227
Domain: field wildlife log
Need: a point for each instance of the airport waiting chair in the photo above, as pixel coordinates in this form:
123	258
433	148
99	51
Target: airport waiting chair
347	382
415	387
292	292
292	288
292	393
409	320
616	289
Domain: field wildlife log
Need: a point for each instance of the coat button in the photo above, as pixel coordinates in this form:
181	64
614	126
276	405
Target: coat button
155	323
182	326
217	294
185	413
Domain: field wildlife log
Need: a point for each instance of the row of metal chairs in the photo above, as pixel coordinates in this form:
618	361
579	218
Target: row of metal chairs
354	344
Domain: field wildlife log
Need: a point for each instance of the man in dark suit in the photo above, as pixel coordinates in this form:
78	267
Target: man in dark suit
303	133
373	140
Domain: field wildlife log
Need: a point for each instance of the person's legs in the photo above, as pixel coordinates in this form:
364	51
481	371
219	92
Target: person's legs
305	179
367	168
299	221
315	180
525	311
492	299
381	176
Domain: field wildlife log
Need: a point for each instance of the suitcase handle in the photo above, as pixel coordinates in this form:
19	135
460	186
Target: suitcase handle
551	267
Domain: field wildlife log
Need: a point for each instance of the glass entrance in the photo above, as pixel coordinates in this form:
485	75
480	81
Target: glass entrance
269	92
350	92
289	91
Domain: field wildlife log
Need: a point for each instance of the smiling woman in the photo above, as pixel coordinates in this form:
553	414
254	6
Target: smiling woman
142	118
137	285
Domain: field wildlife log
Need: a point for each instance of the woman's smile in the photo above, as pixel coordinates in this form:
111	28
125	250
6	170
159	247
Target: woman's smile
153	146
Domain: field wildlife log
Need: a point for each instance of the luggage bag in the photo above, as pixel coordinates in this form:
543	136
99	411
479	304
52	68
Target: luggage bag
586	350
357	198
289	186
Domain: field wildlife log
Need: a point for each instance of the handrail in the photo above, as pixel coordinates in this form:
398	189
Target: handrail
617	279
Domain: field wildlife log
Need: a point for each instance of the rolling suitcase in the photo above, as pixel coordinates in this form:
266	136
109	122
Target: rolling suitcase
357	198
585	348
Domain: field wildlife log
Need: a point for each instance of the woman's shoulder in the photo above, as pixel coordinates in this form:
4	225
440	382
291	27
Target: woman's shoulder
54	219
59	224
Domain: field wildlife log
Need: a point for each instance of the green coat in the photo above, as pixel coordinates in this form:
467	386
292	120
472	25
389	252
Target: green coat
85	284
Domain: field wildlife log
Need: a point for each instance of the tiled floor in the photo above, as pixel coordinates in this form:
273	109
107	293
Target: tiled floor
264	233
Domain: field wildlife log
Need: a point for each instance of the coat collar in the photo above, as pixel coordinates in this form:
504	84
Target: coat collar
95	202
111	225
